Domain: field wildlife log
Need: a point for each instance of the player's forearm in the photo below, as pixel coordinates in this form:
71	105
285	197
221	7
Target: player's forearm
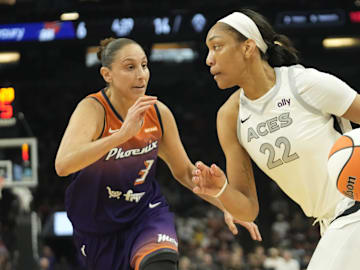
186	180
238	205
213	201
81	156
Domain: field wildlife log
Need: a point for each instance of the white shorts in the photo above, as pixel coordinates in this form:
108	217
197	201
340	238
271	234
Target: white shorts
339	247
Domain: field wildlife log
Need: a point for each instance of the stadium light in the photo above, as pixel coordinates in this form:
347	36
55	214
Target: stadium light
69	16
7	2
341	42
9	57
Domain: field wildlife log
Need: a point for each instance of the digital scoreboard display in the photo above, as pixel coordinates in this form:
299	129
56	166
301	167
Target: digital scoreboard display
173	26
7	112
36	31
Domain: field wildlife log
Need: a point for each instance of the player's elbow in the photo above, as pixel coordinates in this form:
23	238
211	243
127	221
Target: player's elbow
61	168
254	211
250	215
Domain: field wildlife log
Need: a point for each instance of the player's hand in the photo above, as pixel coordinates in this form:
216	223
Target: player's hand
135	116
250	226
207	180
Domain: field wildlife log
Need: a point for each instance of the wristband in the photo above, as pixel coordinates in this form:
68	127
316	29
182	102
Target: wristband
222	189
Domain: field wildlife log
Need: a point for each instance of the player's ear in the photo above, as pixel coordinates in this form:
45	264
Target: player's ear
248	47
106	74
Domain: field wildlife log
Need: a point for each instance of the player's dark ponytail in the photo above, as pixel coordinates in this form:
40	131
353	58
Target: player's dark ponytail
281	51
108	48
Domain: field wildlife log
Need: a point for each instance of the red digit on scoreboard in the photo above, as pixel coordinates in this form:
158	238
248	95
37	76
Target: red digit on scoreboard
7	96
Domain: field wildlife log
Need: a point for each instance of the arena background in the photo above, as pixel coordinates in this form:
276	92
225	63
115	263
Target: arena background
55	72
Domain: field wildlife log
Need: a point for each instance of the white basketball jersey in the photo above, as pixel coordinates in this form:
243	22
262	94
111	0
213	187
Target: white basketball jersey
290	141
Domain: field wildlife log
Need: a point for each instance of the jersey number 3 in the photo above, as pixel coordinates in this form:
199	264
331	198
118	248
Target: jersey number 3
286	157
143	173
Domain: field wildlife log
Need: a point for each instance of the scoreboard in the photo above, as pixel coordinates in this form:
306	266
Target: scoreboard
175	26
7	96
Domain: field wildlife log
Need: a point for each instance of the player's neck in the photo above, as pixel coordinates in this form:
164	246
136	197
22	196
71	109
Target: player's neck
260	81
120	103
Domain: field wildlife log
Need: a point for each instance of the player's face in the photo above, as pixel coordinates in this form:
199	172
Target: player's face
129	71
225	57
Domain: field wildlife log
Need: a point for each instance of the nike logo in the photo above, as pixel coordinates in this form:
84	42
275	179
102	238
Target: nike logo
83	250
113	130
154	205
243	121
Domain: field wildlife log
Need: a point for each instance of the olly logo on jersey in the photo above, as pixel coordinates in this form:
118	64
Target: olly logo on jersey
165	238
283	102
269	126
129	196
117	153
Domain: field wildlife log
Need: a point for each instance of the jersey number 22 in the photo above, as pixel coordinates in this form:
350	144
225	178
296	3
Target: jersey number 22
286	156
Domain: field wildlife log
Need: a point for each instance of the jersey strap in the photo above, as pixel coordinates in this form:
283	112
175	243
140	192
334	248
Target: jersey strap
344	124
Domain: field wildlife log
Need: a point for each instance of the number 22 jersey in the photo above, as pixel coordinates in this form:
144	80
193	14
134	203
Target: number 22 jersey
289	132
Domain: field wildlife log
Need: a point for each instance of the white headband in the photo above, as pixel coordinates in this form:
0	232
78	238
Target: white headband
247	27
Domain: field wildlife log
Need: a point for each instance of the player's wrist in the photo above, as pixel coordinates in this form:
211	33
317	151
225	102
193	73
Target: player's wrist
221	191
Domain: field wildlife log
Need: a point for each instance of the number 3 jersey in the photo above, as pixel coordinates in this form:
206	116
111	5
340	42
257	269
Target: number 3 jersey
116	190
289	132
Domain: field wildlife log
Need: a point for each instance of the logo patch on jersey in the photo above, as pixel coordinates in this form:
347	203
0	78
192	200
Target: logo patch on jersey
154	128
83	250
113	130
245	119
153	205
283	102
118	153
113	193
129	196
165	238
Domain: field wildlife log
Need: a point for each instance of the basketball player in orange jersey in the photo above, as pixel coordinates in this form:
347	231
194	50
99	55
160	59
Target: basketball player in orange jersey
120	218
281	118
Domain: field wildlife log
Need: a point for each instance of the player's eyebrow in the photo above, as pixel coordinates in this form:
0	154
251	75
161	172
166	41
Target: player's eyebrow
213	37
129	59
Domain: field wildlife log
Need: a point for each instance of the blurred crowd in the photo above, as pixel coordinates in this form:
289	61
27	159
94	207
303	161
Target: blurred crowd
208	244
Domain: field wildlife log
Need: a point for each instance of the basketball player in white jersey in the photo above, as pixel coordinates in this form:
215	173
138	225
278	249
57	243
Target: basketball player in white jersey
281	118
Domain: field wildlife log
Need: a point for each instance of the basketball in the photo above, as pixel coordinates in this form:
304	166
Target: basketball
344	164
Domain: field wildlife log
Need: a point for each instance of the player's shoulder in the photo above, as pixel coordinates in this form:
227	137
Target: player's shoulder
307	76
90	106
91	102
231	106
161	105
163	109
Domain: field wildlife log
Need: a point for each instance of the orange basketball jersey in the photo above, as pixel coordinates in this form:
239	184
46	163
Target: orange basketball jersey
113	121
114	191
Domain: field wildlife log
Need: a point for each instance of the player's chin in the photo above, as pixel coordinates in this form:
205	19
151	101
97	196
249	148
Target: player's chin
139	91
224	84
